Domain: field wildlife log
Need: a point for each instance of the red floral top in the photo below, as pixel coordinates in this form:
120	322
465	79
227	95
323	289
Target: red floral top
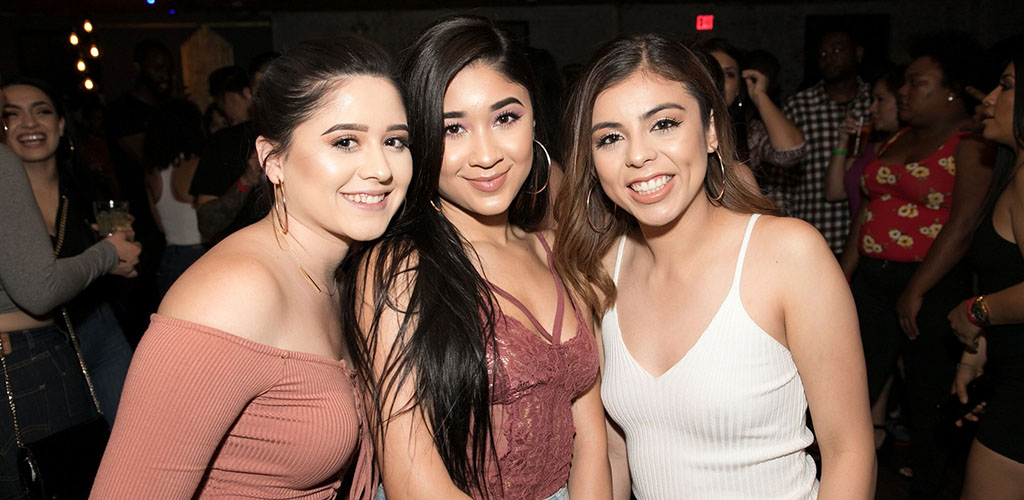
907	204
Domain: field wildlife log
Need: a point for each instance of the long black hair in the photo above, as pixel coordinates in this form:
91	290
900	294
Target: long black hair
1006	159
441	346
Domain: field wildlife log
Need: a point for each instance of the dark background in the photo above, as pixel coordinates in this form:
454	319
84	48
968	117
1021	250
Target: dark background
34	34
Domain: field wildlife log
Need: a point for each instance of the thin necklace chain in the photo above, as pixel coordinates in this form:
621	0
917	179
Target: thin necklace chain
325	290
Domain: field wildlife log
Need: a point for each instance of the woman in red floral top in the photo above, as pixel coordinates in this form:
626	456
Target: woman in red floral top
924	194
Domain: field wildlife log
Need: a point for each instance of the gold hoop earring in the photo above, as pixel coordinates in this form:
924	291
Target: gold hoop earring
592	226
282	221
436	208
721	165
548	157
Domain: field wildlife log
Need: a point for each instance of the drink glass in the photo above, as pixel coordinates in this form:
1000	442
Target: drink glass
110	214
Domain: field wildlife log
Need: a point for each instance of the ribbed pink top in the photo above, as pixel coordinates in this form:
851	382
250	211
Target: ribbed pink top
208	414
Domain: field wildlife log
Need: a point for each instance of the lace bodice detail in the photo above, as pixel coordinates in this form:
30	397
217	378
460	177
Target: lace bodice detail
532	399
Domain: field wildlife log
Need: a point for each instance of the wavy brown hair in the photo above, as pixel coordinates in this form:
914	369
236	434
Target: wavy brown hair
588	221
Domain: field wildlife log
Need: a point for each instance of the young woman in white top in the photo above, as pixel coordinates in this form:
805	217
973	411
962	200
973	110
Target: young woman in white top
718	332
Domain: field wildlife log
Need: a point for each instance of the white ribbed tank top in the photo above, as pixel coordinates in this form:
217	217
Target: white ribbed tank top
181	226
727	421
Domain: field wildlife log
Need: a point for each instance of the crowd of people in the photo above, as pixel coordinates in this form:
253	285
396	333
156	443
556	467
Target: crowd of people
446	278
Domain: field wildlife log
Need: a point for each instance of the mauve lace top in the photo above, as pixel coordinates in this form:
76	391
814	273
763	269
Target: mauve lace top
538	380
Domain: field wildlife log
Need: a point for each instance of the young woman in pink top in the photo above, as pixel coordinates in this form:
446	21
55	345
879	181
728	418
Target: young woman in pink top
240	387
484	372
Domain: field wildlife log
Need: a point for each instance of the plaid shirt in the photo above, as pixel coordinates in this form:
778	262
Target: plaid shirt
819	117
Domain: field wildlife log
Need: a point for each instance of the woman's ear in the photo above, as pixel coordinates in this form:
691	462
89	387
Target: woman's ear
711	135
270	161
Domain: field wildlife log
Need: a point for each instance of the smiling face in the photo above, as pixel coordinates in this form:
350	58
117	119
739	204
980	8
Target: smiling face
885	112
651	148
33	127
731	69
999	109
488	141
348	166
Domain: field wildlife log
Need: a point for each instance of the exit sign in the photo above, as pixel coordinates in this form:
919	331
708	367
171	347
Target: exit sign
705	22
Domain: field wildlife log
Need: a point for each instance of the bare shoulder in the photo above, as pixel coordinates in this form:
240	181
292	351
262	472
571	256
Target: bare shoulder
234	287
789	240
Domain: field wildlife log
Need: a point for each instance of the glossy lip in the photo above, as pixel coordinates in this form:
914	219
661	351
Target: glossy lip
489	184
380	205
654	196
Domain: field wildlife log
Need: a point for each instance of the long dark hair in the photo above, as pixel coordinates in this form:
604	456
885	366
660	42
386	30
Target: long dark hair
581	205
1006	160
441	346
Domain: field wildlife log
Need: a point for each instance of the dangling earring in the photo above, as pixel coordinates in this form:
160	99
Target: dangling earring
548	157
592	226
721	165
282	221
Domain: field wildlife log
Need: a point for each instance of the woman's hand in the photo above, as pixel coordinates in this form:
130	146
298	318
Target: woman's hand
907	307
965	373
757	85
848	128
127	253
960	321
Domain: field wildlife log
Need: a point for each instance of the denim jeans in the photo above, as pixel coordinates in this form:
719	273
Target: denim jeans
50	395
107	356
561	494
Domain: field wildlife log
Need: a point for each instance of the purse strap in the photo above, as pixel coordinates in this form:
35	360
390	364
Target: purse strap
71	331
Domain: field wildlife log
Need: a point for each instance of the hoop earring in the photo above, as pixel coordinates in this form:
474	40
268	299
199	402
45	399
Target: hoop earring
436	208
548	157
282	222
721	165
592	226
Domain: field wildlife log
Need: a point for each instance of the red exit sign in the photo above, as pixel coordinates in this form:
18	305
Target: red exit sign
705	22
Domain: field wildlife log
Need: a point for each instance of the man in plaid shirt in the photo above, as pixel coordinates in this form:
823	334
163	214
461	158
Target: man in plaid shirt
818	111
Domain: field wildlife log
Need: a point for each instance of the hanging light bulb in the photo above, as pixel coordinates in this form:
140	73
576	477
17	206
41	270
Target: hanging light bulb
88	84
73	38
94	51
80	65
87	26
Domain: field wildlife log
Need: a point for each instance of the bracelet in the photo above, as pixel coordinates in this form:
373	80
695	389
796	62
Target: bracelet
839	152
970	312
241	187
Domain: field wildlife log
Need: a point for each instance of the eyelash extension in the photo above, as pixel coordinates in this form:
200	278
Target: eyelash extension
665	124
508	114
449	126
605	141
338	142
399	143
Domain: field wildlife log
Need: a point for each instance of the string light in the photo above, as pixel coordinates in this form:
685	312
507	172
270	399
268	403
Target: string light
73	38
88	84
94	51
81	65
87	26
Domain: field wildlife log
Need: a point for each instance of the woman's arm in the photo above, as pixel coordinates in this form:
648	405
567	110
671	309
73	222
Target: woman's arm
851	249
33	278
782	133
622	486
823	337
840	161
973	175
590	475
411	468
185	389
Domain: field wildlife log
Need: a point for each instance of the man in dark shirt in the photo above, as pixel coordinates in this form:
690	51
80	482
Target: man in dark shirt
126	120
228	171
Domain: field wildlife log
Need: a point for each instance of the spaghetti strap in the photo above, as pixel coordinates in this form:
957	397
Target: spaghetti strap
743	251
554	337
618	260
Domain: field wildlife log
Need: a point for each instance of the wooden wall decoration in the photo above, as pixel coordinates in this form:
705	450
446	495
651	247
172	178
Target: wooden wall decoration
202	53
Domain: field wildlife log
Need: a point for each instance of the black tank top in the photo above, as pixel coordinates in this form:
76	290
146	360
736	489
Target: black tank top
999	265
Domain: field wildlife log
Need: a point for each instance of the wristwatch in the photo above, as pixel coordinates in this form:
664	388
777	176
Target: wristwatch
979	311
